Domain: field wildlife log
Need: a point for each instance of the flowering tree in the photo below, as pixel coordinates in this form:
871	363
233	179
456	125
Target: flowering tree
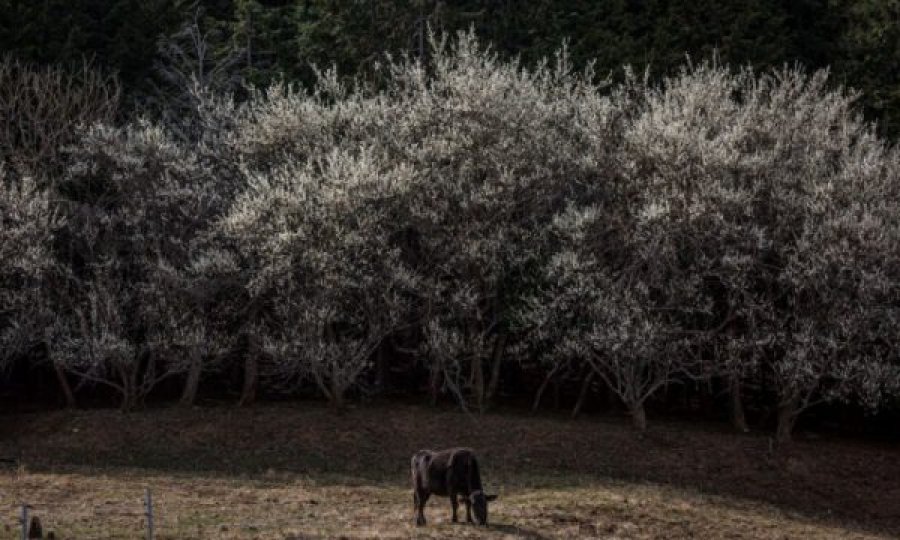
44	109
777	196
267	142
330	284
722	224
184	324
608	301
684	152
136	200
27	223
497	148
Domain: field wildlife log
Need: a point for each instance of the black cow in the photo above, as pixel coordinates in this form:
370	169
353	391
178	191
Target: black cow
449	473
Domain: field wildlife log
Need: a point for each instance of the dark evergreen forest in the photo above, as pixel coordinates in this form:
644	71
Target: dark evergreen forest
279	39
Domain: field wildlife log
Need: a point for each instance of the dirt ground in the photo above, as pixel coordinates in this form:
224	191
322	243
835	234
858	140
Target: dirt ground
300	471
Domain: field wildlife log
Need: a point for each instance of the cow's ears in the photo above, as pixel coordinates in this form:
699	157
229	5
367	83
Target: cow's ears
490	498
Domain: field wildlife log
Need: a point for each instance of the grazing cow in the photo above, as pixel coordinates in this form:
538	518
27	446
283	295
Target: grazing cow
449	473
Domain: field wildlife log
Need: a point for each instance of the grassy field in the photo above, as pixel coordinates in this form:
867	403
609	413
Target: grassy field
302	472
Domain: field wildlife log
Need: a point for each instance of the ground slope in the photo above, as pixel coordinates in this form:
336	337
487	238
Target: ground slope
301	471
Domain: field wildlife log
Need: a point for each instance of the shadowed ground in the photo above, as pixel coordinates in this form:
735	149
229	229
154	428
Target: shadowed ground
303	472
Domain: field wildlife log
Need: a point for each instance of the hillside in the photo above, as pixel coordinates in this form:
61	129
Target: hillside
304	472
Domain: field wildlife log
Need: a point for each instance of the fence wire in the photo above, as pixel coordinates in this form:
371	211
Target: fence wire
151	515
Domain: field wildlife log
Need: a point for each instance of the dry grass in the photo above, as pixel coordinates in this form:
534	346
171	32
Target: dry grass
109	506
284	472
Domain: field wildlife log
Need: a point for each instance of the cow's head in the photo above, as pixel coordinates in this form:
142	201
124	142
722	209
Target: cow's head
479	502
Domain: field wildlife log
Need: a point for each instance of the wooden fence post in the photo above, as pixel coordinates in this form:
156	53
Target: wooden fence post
148	502
24	521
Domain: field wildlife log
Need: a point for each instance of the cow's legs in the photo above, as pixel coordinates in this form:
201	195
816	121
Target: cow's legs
468	510
420	497
454	504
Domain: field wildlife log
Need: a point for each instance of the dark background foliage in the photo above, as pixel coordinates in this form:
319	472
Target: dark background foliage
859	40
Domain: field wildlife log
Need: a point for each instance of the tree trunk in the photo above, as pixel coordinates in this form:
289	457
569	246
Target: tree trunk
129	398
542	388
381	369
582	394
336	399
613	401
60	372
129	388
125	405
496	362
787	416
64	385
192	383
738	420
251	379
478	383
638	416
434	385
708	405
